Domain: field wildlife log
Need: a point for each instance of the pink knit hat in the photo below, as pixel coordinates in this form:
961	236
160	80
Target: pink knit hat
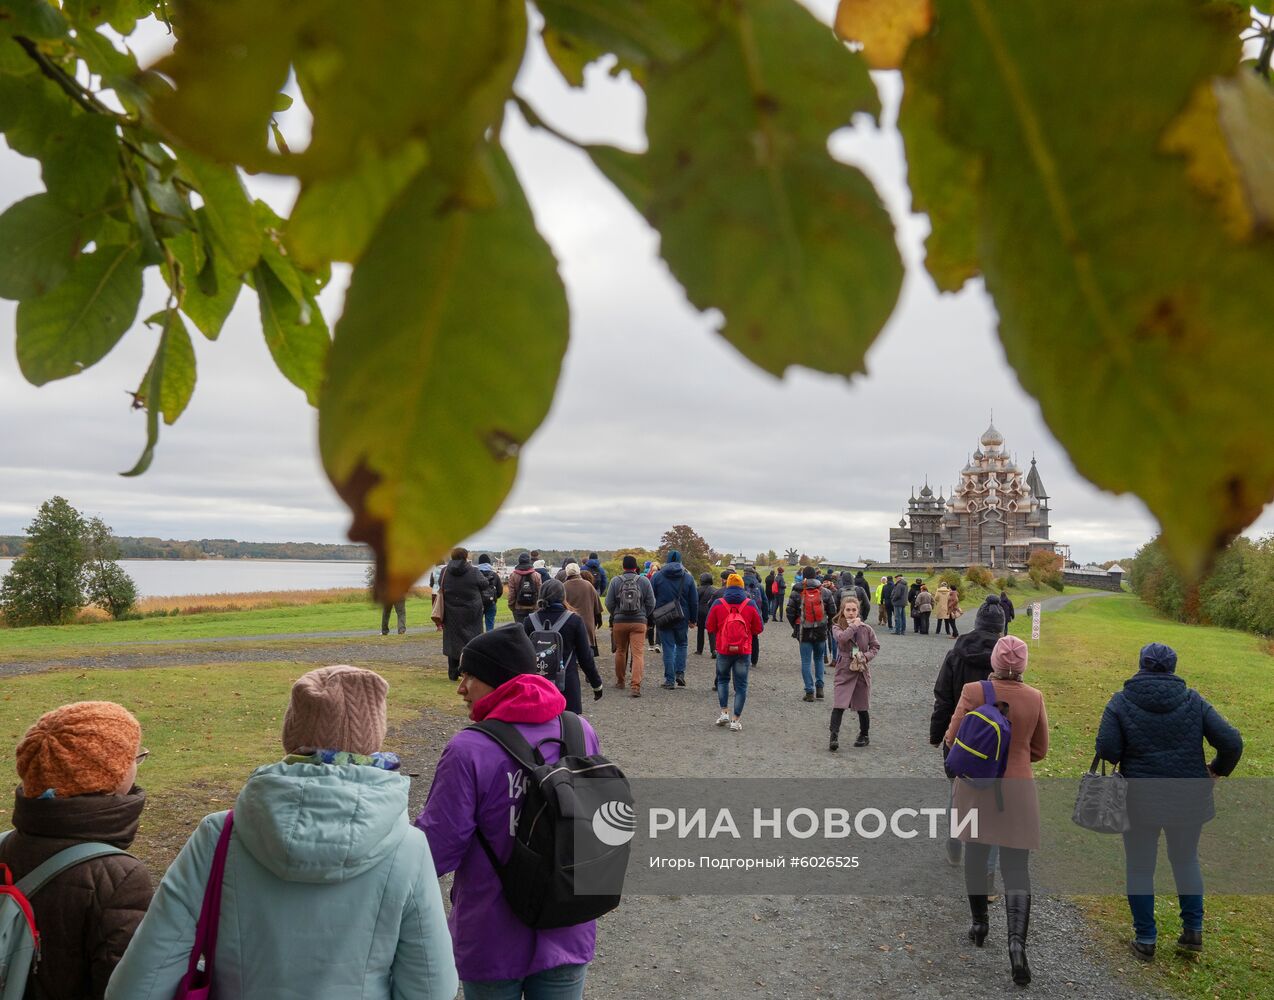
336	708
1009	656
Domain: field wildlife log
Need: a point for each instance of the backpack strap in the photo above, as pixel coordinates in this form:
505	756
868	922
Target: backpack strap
537	622
573	744
77	854
513	742
988	693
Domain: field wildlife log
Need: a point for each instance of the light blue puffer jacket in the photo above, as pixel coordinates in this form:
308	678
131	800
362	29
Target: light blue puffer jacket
329	893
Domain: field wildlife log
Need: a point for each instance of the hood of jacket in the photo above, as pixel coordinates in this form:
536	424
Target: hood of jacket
733	595
111	819
973	646
526	698
458	567
674	571
1156	693
321	823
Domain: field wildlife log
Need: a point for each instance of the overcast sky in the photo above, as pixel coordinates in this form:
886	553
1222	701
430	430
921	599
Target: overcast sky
651	412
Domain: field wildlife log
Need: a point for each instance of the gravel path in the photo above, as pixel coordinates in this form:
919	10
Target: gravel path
784	946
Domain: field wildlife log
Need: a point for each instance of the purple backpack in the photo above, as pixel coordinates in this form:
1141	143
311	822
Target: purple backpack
981	749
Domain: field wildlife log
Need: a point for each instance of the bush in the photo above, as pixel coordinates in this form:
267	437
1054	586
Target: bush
1045	569
111	589
979	576
1002	583
952	579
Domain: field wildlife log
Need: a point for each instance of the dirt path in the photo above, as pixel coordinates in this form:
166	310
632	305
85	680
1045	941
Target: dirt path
784	946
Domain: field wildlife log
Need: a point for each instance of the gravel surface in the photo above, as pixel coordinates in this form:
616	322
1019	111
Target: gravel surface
784	946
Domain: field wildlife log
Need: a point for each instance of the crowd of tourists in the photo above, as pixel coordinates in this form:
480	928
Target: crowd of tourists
317	884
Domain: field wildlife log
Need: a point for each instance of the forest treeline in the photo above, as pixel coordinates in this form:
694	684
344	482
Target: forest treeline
214	548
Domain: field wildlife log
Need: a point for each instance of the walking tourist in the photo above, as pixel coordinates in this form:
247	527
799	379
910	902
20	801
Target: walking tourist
539	566
884	602
650	568
1155	728
76	809
707	594
756	594
594	566
924	608
676	610
942	609
523	589
864	606
327	891
463	588
809	610
581	597
576	653
780	596
1009	812
1009	613
399	607
630	602
495	586
898	597
735	622
856	646
469	820
912	591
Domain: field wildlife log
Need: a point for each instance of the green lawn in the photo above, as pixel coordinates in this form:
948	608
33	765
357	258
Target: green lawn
18	643
1086	652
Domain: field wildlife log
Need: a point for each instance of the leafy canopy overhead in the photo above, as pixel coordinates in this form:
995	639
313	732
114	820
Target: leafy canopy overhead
1121	219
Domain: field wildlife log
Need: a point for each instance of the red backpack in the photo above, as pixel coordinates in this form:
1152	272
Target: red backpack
734	638
812	610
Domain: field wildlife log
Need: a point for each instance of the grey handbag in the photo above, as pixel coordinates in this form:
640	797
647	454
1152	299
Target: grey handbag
1102	803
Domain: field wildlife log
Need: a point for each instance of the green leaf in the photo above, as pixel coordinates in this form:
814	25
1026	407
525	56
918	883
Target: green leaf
39	240
295	333
1126	306
420	315
207	310
230	217
175	362
89	13
75	325
282	102
81	163
638	32
755	217
334	217
32	109
13	60
36	19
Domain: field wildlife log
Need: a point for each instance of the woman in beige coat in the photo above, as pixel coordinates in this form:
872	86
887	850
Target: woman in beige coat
1009	815
582	598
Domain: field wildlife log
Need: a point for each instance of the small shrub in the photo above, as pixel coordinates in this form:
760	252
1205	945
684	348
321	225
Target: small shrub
952	579
1001	583
979	576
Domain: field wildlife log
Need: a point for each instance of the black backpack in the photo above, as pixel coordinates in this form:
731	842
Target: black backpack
560	872
628	595
550	648
488	587
528	594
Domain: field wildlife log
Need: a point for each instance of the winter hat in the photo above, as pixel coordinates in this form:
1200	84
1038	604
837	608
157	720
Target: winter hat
484	558
592	555
705	579
630	562
538	564
524	560
809	572
553	592
79	749
499	655
734	580
1008	658
647	566
674	555
1158	658
336	708
990	617
572	570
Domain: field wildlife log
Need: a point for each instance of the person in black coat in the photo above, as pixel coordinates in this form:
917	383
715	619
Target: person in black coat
707	594
1009	613
462	586
1155	728
577	651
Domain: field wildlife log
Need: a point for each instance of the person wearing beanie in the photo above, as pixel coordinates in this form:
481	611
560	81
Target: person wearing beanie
630	602
594	565
473	802
465	592
523	590
1006	606
327	889
554	616
538	565
676	611
583	599
990	616
884	601
1009	815
707	594
780	595
78	767
1156	727
811	617
492	593
735	621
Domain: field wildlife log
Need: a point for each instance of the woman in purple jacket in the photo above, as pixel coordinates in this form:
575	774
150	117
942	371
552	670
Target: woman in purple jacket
478	786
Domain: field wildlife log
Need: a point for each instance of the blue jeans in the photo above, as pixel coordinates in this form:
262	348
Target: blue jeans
900	620
488	616
1141	846
564	982
738	664
812	655
674	641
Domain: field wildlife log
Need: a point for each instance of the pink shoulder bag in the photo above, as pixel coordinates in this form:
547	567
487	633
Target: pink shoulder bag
196	984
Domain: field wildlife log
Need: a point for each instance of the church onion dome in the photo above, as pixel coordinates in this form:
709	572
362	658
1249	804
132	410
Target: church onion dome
926	492
902	522
991	438
978	456
1034	481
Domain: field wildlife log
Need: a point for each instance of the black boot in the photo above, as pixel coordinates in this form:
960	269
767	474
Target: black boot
980	926
834	743
1191	941
864	724
1018	907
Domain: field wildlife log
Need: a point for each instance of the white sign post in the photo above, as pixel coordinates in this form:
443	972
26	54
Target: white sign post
1035	620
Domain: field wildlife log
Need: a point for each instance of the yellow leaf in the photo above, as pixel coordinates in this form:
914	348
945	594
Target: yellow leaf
885	27
1196	134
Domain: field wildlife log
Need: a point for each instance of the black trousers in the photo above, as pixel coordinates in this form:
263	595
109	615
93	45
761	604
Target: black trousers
922	622
756	649
704	633
1015	867
453	668
864	720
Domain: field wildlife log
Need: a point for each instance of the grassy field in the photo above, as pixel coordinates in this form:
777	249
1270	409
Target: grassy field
207	727
1087	650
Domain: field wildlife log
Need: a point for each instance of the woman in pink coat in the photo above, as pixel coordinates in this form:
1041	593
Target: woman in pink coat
856	646
1010	815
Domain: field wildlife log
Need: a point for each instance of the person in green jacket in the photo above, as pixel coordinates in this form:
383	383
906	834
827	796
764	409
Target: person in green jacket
328	890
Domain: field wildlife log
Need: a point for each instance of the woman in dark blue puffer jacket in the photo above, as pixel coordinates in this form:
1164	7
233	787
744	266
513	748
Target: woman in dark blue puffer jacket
1155	728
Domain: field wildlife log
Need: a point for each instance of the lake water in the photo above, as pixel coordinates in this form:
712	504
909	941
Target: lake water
172	577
